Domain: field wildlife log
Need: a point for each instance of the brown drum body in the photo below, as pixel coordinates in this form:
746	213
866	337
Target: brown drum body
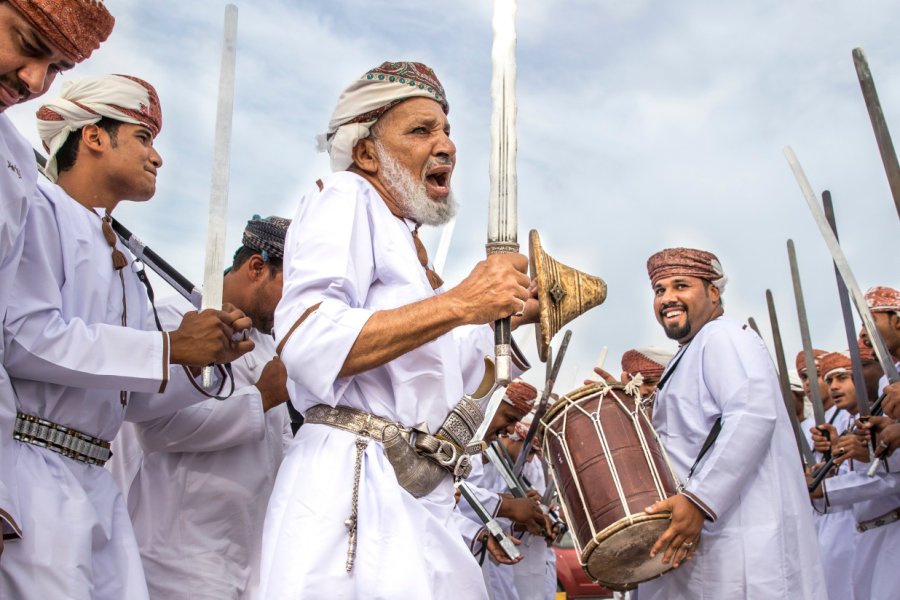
609	467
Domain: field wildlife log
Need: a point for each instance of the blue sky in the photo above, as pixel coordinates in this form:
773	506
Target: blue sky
641	125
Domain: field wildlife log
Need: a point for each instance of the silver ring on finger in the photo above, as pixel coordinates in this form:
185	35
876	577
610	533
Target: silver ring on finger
521	311
688	545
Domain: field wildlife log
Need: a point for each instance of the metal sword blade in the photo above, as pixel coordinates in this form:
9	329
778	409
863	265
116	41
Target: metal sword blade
859	382
812	372
502	202
840	261
879	124
489	522
213	272
784	384
545	400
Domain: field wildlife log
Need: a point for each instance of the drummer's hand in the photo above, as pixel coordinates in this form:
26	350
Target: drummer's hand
604	375
680	539
496	550
524	511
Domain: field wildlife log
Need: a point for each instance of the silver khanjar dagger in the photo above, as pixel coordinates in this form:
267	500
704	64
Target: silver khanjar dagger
218	196
502	203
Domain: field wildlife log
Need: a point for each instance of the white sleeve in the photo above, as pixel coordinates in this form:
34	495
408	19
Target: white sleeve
330	263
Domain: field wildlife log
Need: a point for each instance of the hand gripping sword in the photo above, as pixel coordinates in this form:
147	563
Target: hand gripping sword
489	522
879	125
840	261
502	204
218	197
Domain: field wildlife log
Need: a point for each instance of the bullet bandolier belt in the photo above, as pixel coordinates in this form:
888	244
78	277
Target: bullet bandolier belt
885	519
62	440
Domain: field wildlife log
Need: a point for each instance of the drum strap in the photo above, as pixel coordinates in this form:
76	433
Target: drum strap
674	365
707	444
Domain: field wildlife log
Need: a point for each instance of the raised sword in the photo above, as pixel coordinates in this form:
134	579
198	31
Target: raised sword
859	382
879	124
785	385
502	203
812	371
213	271
840	261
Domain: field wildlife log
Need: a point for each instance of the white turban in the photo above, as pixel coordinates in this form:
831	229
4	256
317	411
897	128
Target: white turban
369	97
86	101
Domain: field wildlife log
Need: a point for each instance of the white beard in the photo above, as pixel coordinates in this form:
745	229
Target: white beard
410	195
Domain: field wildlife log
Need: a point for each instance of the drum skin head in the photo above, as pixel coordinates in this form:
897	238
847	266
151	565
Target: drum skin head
619	557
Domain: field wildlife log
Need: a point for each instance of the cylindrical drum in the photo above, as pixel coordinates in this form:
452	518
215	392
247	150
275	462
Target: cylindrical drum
609	466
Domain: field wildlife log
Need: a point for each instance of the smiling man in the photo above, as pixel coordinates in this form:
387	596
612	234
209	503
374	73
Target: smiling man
746	495
38	39
82	347
373	344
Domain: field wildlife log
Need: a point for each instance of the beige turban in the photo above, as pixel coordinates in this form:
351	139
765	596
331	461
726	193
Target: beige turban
86	101
369	97
75	27
688	262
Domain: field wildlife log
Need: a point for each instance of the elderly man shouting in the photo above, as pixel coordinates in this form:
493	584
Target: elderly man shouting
374	345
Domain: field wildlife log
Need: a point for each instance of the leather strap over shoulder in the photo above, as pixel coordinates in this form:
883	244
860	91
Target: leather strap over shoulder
294	327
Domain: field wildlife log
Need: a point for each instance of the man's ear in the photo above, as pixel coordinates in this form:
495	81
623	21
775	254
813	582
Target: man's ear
94	138
256	268
364	156
714	293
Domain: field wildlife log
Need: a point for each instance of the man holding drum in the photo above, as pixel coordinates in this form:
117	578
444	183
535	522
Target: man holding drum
746	494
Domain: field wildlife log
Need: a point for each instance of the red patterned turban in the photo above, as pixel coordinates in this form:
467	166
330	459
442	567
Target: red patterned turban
521	395
369	97
801	361
649	362
834	362
687	262
86	101
883	299
75	27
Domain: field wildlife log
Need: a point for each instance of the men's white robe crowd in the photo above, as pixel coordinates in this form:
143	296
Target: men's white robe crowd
760	543
346	250
874	568
17	187
198	500
69	356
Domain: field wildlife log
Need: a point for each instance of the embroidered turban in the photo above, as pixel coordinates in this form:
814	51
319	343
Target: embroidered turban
86	101
801	360
75	27
688	262
521	395
266	235
649	362
369	97
834	362
883	299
